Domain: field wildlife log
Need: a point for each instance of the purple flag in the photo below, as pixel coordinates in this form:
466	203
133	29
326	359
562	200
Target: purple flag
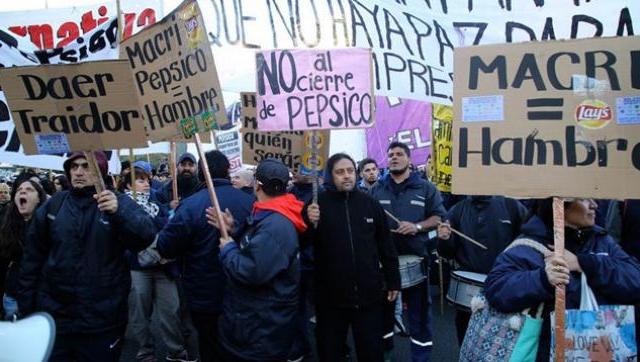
404	120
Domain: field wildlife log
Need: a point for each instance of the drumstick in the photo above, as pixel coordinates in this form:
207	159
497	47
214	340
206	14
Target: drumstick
478	244
392	217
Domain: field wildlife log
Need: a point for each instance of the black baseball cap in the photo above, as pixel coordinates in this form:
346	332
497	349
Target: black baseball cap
273	175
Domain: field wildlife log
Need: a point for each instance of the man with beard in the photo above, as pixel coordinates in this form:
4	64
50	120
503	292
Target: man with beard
356	265
369	173
494	221
188	182
74	265
418	205
187	235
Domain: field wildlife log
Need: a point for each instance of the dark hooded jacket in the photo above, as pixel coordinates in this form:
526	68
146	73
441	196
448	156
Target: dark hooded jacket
494	221
188	235
518	279
74	264
351	243
263	272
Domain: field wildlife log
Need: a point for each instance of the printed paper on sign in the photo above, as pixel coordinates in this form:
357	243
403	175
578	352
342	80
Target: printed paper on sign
482	109
52	143
628	110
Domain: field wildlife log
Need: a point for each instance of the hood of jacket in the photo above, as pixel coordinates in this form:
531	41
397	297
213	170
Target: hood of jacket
287	205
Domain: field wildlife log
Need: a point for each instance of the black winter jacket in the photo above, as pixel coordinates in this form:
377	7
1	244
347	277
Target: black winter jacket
74	264
494	221
352	240
188	235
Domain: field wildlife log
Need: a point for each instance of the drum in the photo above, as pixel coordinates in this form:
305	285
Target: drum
463	287
411	270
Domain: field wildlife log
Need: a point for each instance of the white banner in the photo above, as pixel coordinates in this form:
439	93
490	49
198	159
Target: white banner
81	34
412	40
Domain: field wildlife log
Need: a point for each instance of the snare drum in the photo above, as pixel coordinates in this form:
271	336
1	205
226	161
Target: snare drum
463	287
411	270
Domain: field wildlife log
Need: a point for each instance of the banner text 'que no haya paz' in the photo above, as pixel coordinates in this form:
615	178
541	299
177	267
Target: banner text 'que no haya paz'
74	107
314	89
174	72
548	119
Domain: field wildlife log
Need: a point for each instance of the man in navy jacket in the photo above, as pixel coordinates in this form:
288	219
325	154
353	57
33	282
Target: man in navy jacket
189	236
74	265
258	322
418	205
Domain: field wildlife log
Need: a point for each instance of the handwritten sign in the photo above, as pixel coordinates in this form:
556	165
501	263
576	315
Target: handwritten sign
442	125
74	107
548	119
314	89
293	148
175	74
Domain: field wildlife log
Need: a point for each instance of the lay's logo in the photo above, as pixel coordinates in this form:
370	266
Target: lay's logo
593	114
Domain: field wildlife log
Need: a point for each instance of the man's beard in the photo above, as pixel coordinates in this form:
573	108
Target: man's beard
399	172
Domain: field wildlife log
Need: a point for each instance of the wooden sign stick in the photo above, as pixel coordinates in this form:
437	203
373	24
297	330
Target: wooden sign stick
314	164
133	175
558	250
209	182
173	171
93	166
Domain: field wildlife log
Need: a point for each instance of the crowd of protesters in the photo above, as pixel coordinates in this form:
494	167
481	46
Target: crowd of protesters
278	270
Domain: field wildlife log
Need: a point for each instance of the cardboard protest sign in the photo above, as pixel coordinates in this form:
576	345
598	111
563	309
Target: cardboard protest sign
548	119
228	142
442	122
175	75
403	120
74	107
314	89
293	148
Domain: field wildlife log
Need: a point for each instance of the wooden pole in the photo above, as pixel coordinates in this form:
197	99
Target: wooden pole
132	174
209	182
558	243
314	164
172	170
93	166
440	261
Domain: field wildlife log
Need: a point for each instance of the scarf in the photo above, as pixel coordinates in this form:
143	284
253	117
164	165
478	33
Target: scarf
142	198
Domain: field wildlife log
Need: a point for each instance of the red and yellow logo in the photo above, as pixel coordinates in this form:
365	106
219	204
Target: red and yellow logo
593	114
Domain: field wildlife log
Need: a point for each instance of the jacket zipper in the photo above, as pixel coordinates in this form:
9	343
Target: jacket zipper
353	252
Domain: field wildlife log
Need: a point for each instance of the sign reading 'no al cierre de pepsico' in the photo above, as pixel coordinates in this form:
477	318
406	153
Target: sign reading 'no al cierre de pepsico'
314	89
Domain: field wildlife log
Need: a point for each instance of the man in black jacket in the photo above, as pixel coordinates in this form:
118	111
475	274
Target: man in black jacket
351	240
74	264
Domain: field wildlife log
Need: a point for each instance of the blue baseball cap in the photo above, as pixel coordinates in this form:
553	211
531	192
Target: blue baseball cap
144	166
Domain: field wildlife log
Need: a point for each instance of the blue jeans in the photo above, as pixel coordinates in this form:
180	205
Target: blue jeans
10	306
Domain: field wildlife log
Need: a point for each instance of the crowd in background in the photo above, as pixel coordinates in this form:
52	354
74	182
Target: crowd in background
292	271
